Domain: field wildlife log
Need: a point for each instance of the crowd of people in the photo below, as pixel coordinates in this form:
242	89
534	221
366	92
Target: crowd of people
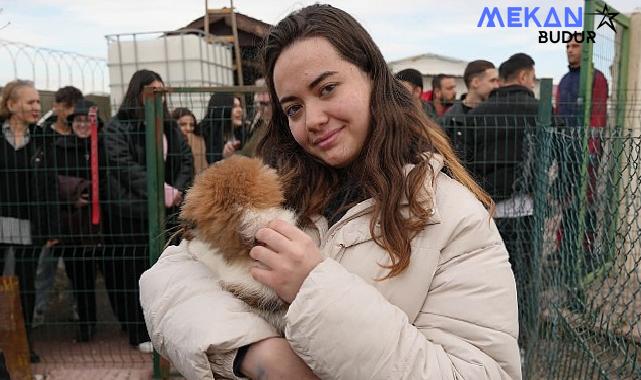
67	198
363	151
492	129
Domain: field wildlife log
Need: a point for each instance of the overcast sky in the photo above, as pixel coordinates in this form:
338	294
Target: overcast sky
401	28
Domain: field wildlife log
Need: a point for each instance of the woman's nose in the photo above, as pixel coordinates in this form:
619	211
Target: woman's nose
315	116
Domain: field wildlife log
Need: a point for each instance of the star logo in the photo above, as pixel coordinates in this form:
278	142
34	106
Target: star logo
608	18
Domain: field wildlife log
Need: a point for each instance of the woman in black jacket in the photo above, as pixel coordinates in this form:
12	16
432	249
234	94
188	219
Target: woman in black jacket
126	218
223	123
28	188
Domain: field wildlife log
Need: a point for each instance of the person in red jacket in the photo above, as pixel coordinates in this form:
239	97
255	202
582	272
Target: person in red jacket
571	155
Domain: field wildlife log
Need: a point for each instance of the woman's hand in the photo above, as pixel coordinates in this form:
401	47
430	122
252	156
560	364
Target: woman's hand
230	148
51	242
287	256
273	358
173	197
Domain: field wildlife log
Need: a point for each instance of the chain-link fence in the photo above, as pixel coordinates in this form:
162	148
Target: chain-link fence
582	312
582	307
567	205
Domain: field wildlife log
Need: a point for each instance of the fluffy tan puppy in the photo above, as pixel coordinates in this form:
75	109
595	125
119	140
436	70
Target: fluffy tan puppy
228	203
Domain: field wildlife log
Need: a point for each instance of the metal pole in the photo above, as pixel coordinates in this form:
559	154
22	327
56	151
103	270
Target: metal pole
539	140
585	108
155	180
206	21
239	64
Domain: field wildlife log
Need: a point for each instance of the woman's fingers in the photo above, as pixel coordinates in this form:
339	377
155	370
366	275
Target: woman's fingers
291	232
265	256
274	240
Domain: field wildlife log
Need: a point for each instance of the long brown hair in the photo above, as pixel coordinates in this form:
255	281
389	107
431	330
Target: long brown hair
400	134
179	112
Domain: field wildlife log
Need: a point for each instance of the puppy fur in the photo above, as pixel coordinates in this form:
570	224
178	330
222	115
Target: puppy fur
228	203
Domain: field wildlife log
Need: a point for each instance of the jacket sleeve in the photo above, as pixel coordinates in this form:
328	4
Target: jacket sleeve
599	118
129	173
343	328
213	136
46	185
191	320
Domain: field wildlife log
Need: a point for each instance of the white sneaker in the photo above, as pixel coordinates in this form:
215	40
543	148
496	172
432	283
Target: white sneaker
146	347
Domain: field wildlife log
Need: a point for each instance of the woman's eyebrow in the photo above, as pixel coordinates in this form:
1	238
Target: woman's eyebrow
311	85
320	78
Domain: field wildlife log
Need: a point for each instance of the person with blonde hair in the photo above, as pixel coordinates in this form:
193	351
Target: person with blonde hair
28	212
395	269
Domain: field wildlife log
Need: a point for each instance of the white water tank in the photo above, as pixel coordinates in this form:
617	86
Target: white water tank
183	60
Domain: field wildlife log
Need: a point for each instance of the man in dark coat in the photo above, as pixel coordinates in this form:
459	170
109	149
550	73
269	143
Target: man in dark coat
501	160
481	78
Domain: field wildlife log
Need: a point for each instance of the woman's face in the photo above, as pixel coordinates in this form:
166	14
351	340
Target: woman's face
26	106
237	113
186	124
155	84
326	100
80	126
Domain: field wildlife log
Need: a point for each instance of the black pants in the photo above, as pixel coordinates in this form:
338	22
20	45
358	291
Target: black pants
25	269
517	236
80	266
126	258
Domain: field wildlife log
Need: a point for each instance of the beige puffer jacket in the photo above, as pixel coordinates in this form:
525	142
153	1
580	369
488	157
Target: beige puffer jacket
451	315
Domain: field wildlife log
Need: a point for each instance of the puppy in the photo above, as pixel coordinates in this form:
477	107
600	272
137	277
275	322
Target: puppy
228	203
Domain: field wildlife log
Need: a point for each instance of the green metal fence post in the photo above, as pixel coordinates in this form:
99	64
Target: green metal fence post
585	107
618	128
155	180
540	189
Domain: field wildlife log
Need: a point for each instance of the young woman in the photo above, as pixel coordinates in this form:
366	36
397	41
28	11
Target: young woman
29	216
126	213
400	273
254	131
222	125
192	133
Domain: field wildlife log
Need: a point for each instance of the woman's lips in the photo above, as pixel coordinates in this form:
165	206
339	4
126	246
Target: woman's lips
326	141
